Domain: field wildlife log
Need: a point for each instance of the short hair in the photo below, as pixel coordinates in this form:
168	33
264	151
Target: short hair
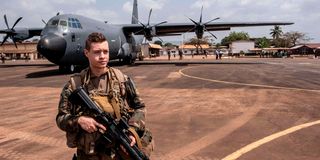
93	38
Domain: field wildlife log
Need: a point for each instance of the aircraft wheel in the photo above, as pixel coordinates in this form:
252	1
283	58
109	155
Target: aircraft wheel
67	69
128	60
72	68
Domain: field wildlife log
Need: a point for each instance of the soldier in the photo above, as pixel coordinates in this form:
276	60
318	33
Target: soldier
3	58
108	87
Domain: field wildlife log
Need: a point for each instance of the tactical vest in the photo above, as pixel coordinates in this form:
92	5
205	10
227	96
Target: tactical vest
110	92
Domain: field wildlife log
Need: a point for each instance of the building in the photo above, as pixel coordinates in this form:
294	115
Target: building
25	50
305	49
151	50
192	49
241	47
271	52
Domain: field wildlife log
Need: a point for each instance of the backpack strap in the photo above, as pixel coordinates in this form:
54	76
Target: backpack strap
76	79
119	75
117	89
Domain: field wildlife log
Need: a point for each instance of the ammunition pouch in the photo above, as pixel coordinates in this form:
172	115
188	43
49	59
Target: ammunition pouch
71	139
147	143
87	142
104	104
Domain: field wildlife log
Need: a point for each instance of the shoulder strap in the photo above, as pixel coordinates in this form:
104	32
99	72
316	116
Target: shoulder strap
117	78
76	79
118	74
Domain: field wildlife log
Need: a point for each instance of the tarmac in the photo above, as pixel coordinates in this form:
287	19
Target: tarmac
198	108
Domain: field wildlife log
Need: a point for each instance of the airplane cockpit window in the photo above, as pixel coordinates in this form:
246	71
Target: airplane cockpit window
74	23
55	22
63	23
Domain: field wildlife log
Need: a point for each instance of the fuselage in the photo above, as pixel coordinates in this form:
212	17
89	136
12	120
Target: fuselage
63	39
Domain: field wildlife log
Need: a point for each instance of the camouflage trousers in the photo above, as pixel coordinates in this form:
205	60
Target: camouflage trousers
99	156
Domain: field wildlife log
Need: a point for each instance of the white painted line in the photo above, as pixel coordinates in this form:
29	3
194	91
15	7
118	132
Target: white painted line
245	84
256	144
140	77
267	139
174	75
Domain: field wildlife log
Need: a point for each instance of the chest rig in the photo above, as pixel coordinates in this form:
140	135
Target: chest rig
107	91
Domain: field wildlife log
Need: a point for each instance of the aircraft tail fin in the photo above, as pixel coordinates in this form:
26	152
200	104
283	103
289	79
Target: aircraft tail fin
135	13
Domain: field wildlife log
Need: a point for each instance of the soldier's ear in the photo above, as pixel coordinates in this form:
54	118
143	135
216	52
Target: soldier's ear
86	52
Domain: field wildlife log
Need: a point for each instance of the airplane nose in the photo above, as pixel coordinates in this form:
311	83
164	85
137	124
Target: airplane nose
52	47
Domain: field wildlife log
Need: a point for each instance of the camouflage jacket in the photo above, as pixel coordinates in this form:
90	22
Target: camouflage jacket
68	113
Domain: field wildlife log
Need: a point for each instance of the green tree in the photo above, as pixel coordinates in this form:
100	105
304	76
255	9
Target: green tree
276	32
294	37
263	42
235	36
218	45
196	41
282	42
158	42
168	44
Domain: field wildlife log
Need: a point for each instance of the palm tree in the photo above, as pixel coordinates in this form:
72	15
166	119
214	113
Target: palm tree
276	32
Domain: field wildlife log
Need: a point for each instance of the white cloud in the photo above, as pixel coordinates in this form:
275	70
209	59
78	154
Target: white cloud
245	2
101	15
74	2
154	4
127	7
288	6
204	3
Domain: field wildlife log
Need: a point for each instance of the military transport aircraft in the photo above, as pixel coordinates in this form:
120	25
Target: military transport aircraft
62	40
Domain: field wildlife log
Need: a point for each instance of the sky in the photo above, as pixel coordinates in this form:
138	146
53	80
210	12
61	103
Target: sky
304	13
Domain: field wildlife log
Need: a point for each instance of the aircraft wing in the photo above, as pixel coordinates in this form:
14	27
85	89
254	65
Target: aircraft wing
35	31
21	34
169	28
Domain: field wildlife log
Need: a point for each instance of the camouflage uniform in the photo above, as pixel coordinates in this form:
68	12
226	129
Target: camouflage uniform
112	82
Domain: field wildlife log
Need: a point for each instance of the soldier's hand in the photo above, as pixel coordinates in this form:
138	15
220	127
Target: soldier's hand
89	124
132	143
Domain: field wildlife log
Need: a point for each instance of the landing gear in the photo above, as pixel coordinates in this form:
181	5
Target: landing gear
67	68
128	60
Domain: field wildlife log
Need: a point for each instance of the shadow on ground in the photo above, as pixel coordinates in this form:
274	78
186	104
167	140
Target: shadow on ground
47	73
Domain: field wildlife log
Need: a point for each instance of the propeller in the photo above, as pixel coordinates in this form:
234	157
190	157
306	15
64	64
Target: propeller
201	27
10	31
147	28
58	13
44	21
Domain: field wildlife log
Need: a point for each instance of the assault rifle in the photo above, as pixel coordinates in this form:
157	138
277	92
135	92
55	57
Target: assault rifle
116	130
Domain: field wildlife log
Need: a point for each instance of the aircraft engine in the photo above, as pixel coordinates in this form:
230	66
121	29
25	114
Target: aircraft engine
21	34
200	27
15	34
149	30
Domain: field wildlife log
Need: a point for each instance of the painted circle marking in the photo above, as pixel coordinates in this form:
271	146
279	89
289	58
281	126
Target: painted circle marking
267	139
245	84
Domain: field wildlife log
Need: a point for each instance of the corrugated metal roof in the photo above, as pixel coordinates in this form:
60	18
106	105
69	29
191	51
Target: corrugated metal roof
156	46
296	47
313	45
309	45
186	46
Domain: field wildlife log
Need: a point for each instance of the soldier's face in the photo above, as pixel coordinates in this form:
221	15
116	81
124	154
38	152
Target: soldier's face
98	55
